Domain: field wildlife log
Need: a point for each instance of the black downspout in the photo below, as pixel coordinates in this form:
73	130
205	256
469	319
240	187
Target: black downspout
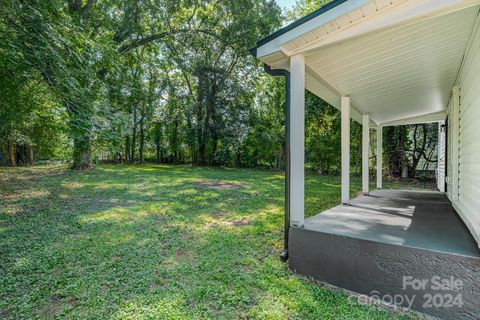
286	74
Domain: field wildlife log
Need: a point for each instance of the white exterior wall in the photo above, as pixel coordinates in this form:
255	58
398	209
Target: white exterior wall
468	152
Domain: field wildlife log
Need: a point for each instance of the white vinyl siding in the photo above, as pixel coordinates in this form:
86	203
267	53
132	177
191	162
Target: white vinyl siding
468	153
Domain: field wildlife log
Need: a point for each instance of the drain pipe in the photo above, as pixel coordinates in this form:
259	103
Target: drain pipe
286	74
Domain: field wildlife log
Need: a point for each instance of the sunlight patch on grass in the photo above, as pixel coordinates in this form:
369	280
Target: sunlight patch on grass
331	185
26	195
114	214
159	309
21	263
269	307
73	185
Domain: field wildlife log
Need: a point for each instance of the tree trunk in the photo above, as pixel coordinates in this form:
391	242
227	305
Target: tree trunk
404	162
10	159
82	153
142	139
127	149
158	147
119	158
30	154
158	142
134	135
212	130
418	151
201	153
201	127
404	171
238	159
175	144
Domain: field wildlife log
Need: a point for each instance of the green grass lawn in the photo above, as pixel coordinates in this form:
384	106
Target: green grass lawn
156	242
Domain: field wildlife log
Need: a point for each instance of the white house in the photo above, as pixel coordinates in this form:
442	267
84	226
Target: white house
386	63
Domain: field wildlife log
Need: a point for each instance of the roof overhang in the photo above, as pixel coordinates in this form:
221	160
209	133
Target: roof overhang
397	59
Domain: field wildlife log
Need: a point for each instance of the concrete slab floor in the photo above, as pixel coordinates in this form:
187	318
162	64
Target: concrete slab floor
418	219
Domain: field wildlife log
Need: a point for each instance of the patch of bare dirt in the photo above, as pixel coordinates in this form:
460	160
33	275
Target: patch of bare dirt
160	285
222	221
219	214
104	288
56	305
221	184
184	256
160	219
238	223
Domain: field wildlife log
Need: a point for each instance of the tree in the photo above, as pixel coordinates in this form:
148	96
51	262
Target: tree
74	43
31	119
304	7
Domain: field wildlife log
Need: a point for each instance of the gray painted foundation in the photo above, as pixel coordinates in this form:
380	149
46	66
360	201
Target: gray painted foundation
384	244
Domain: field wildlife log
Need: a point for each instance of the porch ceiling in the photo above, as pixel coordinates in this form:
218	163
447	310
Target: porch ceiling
397	72
400	73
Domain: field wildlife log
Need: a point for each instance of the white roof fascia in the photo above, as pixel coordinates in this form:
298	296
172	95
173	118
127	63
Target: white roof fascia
406	12
342	9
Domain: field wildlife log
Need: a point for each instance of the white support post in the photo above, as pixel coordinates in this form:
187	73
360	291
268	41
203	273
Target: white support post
455	141
345	149
297	140
365	153
441	157
379	157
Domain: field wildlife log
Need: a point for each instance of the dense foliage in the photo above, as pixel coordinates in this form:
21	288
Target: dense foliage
161	80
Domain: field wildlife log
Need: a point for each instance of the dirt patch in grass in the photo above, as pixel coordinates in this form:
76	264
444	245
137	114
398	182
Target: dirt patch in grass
238	223
56	305
221	184
160	284
219	214
184	256
104	288
220	220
